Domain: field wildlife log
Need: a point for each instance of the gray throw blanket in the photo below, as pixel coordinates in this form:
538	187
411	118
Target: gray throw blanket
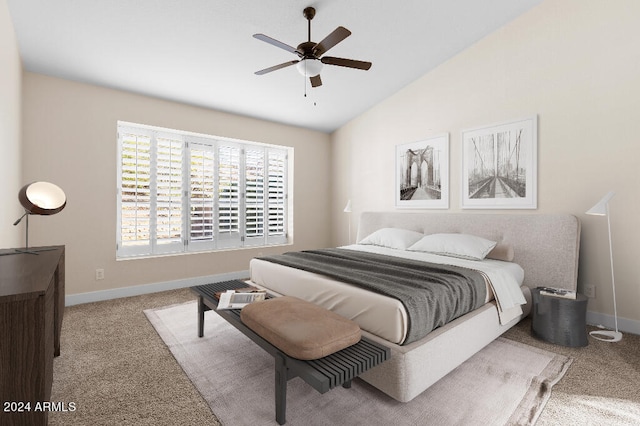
432	294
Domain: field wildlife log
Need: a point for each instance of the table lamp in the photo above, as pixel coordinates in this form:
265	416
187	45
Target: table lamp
41	198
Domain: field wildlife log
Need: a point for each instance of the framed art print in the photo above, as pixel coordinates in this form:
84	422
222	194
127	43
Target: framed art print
422	174
499	165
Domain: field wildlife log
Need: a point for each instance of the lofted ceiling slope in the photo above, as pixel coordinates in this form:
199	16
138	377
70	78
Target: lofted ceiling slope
201	52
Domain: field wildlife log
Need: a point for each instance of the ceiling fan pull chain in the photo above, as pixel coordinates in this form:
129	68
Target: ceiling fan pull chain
305	74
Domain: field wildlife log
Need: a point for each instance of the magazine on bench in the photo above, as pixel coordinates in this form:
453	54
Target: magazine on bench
232	299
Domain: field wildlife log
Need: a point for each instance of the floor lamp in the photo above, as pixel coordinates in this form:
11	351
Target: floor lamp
347	209
41	198
602	209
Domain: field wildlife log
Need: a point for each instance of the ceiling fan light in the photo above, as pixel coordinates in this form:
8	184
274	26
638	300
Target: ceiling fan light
309	67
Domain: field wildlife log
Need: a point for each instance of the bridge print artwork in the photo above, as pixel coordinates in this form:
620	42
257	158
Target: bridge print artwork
500	166
422	173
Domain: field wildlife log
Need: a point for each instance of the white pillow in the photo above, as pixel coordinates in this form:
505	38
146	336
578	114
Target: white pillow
395	238
455	245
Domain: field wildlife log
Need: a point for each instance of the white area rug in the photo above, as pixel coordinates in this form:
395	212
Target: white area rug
506	383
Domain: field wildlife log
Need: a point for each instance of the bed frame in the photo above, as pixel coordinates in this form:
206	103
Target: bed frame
545	246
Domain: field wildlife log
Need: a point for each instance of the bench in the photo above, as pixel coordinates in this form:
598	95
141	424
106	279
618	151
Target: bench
323	374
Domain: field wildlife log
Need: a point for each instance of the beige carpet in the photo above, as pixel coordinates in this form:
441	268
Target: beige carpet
506	383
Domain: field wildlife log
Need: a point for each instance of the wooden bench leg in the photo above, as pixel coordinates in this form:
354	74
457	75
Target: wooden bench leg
281	388
200	316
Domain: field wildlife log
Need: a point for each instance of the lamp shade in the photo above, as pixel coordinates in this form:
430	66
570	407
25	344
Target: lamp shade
309	67
600	209
42	198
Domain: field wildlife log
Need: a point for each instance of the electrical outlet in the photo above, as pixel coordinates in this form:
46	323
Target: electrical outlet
99	274
590	291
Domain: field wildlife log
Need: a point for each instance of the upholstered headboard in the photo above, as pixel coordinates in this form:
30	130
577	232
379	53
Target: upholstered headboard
546	246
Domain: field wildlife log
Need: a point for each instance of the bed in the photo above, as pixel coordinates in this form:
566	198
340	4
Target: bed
535	250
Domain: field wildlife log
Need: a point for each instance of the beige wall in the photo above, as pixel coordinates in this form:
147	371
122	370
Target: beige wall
70	139
10	153
575	64
571	62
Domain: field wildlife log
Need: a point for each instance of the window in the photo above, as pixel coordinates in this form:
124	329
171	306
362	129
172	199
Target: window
182	192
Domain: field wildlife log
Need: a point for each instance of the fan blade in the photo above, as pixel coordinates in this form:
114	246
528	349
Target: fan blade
331	40
349	63
276	43
275	67
315	81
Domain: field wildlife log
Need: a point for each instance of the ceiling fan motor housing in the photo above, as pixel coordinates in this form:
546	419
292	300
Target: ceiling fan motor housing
305	49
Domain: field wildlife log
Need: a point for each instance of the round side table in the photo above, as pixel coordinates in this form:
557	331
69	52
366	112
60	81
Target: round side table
559	320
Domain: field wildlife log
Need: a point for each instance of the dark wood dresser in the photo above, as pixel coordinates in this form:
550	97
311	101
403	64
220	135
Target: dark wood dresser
31	309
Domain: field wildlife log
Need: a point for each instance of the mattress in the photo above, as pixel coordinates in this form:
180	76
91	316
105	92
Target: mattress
380	315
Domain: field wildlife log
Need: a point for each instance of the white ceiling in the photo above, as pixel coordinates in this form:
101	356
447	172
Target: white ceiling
202	52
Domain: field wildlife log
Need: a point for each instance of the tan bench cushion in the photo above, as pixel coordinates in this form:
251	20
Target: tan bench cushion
298	328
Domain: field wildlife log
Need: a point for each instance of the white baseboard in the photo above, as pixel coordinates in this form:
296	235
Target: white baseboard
625	325
116	293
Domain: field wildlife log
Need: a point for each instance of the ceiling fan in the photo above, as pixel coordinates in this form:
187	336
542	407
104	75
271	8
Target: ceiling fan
310	53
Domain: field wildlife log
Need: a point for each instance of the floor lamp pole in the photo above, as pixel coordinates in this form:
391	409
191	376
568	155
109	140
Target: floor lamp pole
613	279
607	335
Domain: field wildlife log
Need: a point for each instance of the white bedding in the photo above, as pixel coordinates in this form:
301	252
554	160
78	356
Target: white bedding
381	315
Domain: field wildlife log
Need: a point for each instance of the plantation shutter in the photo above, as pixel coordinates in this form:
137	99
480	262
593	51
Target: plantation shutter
134	237
277	197
181	192
168	191
202	197
228	196
254	196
